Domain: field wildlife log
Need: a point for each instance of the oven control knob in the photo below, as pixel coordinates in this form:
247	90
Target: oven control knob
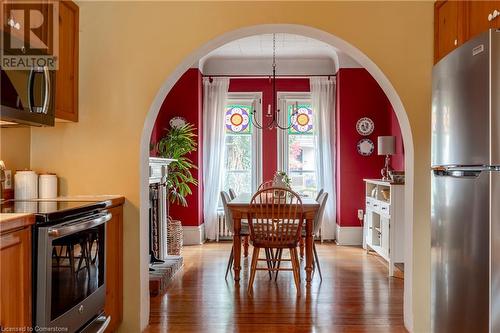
80	309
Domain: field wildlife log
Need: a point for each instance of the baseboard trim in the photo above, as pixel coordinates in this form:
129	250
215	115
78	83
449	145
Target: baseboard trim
193	235
349	235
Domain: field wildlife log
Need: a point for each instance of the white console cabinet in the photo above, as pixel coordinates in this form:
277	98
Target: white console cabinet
383	230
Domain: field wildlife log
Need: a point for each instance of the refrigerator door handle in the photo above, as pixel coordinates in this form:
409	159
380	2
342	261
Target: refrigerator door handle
483	167
461	171
456	173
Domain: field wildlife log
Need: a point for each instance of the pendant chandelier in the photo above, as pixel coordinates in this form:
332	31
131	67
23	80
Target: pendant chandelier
273	110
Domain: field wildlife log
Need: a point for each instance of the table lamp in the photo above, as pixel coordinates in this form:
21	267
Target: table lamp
386	146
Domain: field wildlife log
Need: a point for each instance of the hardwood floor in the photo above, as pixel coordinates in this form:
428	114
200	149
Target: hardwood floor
356	295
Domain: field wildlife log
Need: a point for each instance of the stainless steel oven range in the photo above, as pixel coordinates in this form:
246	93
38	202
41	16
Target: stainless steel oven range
69	284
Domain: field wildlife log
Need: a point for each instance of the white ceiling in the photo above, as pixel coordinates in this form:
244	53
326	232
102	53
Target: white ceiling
295	54
287	46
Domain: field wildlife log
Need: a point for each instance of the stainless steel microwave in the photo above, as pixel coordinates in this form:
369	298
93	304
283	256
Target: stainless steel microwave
27	97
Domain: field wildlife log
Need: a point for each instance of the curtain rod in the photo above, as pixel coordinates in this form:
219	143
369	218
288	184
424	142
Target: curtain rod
269	76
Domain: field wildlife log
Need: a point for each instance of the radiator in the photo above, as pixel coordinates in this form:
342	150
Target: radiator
223	233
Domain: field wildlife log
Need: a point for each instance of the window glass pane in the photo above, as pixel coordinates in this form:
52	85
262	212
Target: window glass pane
304	182
238	152
301	155
240	181
300	116
238	164
238	119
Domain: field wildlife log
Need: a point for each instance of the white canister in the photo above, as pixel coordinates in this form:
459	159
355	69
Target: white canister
25	185
47	186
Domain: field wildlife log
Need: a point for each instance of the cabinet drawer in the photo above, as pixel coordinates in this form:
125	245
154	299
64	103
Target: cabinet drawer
384	209
381	208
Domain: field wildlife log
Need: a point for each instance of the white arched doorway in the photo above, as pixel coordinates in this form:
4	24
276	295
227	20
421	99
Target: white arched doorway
327	38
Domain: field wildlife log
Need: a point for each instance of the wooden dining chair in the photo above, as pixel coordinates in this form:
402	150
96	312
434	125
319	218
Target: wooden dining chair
266	184
318	219
228	218
232	193
275	221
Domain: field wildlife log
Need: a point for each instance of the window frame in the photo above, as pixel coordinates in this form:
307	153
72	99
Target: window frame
284	99
254	98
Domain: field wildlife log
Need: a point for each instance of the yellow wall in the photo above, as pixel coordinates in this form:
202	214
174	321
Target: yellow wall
128	49
15	148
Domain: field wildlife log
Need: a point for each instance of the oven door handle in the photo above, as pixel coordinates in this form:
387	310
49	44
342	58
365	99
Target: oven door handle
71	229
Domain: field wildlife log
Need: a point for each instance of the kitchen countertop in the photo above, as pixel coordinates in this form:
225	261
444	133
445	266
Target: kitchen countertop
116	200
382	182
13	221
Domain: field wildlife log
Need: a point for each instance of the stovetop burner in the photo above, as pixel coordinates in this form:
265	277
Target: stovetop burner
48	211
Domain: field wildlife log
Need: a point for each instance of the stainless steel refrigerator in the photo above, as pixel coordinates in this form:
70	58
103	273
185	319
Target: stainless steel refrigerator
465	213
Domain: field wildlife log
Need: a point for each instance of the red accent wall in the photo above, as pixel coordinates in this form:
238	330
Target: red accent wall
185	100
359	95
269	137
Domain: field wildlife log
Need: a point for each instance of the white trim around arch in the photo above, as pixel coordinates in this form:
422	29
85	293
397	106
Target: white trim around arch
325	37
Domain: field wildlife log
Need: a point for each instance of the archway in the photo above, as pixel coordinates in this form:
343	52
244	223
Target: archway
327	38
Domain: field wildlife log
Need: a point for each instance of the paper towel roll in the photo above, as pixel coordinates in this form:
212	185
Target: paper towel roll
25	185
47	186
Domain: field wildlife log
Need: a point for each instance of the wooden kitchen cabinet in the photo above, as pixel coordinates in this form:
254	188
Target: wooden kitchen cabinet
479	19
114	268
449	32
455	22
66	77
15	272
15	11
66	98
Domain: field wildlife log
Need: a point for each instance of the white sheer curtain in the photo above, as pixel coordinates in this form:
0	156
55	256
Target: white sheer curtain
323	104
214	107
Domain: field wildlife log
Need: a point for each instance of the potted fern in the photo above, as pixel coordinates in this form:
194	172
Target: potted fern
176	144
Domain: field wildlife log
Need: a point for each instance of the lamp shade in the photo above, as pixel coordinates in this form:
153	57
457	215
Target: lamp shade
386	145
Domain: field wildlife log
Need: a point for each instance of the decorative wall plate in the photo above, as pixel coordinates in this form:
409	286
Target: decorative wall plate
365	147
177	122
365	126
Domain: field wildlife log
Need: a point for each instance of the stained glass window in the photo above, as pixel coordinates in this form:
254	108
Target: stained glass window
240	157
301	116
238	119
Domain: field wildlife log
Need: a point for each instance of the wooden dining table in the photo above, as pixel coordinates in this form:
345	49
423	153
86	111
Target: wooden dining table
240	209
